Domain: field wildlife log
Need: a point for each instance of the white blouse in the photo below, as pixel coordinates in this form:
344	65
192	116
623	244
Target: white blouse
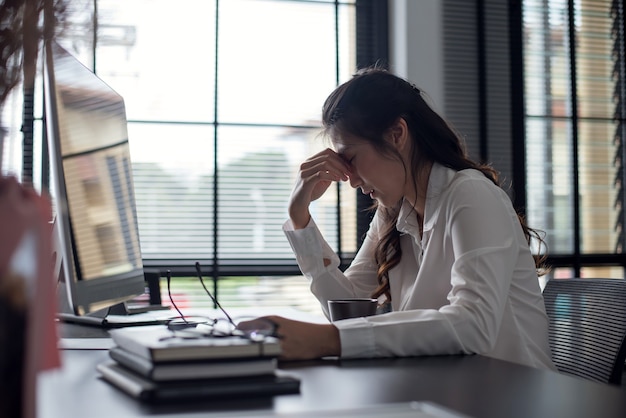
467	285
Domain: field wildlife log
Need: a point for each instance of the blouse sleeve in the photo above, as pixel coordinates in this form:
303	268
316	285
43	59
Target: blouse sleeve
486	241
328	281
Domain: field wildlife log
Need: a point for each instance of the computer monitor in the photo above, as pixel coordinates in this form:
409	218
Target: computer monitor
96	231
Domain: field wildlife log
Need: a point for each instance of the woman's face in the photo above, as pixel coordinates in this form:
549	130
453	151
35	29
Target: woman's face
382	176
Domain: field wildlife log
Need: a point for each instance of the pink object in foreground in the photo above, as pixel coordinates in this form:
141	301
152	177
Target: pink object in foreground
26	255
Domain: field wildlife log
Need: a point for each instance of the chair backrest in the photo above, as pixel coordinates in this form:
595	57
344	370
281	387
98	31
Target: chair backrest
588	327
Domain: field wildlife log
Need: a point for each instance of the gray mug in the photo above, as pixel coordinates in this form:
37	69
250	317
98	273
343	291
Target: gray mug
351	308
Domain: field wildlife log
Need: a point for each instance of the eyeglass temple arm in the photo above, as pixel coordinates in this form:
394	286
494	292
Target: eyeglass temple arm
199	271
169	294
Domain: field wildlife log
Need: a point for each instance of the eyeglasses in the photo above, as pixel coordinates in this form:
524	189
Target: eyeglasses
201	326
220	328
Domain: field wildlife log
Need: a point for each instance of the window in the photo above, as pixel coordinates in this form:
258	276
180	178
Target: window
223	100
223	104
574	131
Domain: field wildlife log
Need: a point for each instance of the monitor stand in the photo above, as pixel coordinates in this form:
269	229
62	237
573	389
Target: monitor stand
110	318
122	314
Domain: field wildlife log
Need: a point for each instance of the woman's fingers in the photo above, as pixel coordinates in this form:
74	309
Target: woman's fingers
326	164
315	177
302	340
324	167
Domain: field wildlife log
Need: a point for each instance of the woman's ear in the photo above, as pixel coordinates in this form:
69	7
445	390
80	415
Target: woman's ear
398	134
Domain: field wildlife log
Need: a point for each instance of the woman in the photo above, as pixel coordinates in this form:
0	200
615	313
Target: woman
446	253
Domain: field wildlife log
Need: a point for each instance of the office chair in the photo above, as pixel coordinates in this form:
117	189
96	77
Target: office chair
588	327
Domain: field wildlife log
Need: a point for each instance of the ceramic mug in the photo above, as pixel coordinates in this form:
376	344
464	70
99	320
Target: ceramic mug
351	308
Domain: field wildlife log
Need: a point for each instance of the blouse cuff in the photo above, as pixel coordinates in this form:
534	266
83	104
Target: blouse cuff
310	249
357	338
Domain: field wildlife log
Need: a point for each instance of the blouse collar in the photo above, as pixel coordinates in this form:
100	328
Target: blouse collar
439	179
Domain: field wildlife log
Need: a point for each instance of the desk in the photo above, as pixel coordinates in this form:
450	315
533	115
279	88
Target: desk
473	385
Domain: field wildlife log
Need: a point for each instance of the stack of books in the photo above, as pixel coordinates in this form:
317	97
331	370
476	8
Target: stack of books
154	364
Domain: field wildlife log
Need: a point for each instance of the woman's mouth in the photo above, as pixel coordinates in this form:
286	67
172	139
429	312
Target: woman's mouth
369	192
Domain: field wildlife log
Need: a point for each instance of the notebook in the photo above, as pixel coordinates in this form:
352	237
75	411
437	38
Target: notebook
189	370
158	344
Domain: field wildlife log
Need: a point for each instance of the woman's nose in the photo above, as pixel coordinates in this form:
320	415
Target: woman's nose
355	180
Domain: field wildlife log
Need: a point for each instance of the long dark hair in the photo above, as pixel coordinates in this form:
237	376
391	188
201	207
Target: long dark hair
368	105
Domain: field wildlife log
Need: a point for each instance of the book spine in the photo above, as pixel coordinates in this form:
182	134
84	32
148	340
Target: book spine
127	385
138	364
132	345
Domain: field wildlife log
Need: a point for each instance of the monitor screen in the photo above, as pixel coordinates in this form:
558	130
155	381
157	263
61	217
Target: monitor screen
96	226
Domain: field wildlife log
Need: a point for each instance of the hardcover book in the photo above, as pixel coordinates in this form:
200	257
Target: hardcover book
150	391
158	344
189	370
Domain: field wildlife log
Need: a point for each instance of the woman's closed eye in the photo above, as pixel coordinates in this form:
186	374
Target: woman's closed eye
348	160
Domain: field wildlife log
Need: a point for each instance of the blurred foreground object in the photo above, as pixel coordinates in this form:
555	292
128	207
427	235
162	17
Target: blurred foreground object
28	337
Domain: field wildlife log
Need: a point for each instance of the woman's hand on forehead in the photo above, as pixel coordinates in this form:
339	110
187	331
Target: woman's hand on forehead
315	177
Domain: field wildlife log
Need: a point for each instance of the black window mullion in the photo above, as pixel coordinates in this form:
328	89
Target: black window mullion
482	81
619	50
215	271
518	126
338	188
548	170
574	127
94	40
